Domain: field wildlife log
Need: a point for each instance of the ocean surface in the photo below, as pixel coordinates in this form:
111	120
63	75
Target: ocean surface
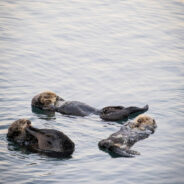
113	52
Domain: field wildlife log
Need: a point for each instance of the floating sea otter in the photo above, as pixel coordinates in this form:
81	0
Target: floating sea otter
51	102
130	133
50	142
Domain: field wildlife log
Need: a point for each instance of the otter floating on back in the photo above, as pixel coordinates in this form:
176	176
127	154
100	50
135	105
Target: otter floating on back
51	102
130	133
47	141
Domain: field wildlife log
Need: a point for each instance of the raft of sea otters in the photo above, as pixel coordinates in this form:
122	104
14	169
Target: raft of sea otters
56	144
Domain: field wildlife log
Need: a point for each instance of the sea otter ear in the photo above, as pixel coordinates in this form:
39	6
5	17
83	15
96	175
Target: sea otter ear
39	99
10	131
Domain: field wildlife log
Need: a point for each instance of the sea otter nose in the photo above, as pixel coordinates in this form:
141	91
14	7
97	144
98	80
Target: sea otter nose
154	124
28	122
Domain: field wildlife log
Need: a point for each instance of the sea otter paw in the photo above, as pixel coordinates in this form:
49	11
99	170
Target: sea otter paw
146	107
124	152
132	152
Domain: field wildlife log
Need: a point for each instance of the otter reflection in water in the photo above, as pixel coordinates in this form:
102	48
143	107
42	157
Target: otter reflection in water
130	133
49	101
50	142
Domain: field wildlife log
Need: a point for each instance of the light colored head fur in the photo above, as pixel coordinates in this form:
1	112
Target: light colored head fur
17	130
45	100
144	121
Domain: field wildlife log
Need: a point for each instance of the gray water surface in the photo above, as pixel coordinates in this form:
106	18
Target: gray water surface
102	53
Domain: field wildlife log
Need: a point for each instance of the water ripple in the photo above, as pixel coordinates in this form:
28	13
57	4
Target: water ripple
102	53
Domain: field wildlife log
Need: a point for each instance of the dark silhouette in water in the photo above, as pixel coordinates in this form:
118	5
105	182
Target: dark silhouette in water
119	143
49	101
48	141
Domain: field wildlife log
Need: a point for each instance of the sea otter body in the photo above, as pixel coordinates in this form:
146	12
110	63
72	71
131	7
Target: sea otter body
51	102
47	141
130	133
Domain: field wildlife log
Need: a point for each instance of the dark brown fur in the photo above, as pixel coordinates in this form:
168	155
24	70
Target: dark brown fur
48	141
51	102
130	133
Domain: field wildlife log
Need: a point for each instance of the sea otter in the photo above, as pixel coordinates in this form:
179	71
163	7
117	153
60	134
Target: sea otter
49	101
48	141
130	133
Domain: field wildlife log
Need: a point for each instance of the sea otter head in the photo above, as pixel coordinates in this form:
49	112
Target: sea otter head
17	130
46	100
144	122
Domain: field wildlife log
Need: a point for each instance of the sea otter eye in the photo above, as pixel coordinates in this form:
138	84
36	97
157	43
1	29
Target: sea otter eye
49	142
139	121
47	102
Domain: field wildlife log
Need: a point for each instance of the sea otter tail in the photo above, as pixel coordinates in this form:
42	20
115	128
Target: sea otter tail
116	113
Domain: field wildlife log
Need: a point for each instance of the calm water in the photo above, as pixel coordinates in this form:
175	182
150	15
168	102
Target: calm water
103	53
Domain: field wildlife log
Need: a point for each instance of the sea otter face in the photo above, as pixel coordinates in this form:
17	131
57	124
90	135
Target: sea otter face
17	130
144	122
45	100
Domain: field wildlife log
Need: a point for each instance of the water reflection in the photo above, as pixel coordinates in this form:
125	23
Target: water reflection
47	115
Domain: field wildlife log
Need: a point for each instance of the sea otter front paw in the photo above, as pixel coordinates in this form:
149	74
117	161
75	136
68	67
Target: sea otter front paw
124	152
132	152
146	107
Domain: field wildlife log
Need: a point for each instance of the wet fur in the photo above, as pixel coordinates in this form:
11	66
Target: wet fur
45	100
47	141
17	131
130	133
50	101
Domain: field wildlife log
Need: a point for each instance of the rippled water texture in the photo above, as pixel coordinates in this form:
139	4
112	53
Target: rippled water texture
103	53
